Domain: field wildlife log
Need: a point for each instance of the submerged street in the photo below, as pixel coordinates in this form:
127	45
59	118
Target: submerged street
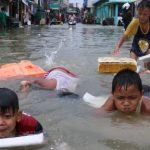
68	122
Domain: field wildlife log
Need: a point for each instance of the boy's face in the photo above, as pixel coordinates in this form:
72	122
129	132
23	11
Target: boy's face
127	100
143	14
8	122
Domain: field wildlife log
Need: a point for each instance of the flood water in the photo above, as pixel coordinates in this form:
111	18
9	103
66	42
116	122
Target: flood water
68	122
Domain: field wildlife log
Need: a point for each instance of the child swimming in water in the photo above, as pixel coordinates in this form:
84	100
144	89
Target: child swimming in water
58	78
13	122
127	94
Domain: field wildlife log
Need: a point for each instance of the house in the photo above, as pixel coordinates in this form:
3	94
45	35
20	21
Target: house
15	9
110	9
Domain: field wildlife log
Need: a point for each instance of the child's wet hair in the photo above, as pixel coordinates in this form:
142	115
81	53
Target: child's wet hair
144	4
126	78
8	100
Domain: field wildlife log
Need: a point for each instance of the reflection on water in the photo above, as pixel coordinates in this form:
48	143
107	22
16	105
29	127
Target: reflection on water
68	122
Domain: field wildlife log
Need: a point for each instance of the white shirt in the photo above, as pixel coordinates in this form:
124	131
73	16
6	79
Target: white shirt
64	80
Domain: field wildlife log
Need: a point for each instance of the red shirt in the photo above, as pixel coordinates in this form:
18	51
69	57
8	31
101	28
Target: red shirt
28	125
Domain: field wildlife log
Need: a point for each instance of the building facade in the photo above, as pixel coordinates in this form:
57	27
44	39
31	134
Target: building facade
109	9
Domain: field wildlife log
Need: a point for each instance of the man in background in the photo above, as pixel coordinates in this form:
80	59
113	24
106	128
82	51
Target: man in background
3	18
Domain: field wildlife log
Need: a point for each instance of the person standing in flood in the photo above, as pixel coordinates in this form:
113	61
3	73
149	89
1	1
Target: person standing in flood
126	15
140	29
3	18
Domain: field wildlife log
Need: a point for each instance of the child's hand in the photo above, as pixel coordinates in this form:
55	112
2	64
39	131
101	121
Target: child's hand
25	85
145	72
116	51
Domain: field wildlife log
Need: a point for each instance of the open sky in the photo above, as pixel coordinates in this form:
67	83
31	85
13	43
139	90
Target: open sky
80	2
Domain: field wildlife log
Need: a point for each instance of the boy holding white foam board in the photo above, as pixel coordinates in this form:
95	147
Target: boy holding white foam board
13	122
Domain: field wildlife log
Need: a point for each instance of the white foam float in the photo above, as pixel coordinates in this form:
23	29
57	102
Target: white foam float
138	69
94	101
145	58
28	140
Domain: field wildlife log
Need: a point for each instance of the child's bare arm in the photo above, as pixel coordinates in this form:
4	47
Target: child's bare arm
119	44
146	105
47	84
108	105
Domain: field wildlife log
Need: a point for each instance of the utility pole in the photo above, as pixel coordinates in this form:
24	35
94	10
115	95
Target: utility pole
18	10
38	4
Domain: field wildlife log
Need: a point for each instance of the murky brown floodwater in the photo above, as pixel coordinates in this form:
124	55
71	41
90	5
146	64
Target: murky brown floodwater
68	122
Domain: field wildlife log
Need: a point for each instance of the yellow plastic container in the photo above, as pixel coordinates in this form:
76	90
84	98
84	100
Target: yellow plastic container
115	64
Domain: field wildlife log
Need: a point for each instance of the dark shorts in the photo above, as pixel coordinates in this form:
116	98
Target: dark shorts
138	53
